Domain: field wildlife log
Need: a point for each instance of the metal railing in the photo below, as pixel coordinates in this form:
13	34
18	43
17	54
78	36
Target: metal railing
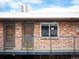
48	44
54	44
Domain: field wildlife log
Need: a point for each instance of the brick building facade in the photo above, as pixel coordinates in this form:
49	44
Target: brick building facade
29	37
67	31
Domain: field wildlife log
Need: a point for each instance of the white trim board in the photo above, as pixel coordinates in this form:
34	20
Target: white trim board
40	15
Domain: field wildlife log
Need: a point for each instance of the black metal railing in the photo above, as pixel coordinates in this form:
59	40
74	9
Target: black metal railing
48	44
57	42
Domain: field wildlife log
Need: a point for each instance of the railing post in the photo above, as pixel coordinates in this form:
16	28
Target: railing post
50	48
74	37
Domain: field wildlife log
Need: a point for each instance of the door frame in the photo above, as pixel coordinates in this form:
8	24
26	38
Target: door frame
4	31
23	24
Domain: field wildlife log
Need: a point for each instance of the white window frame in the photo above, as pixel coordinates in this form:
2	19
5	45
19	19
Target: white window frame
49	30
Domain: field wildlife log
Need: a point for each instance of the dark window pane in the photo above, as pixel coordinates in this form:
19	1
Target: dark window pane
53	30
45	30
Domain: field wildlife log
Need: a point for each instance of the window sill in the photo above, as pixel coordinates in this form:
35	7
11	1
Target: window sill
48	38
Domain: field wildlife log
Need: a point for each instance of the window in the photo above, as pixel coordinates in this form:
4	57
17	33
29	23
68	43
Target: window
49	29
9	35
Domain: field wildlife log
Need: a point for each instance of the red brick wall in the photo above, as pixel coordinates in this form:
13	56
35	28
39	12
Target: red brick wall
40	44
43	44
65	41
1	36
67	28
77	38
18	36
61	43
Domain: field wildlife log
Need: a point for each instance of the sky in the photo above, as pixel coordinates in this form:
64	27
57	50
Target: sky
40	5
